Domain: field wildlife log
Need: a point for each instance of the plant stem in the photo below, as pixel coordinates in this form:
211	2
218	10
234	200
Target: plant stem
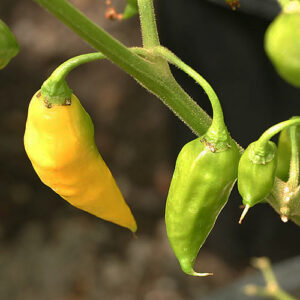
272	289
293	180
156	79
262	142
217	132
148	24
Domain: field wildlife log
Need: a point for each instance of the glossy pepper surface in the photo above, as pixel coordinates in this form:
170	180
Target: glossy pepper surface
200	187
256	173
282	43
59	140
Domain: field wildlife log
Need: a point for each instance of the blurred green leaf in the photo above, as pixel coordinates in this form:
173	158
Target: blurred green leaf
9	46
131	9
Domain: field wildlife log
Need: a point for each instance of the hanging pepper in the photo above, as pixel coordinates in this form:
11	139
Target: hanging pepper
282	43
9	47
205	172
202	181
257	167
59	141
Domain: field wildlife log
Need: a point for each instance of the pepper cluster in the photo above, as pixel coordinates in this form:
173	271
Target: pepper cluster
262	162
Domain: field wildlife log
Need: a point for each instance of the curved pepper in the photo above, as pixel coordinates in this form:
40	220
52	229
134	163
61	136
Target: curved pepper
200	187
205	172
59	141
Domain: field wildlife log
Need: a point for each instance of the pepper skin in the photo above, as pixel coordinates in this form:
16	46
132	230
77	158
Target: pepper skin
256	174
282	44
200	187
59	141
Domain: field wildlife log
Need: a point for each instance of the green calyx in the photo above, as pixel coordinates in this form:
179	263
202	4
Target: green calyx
55	90
262	154
262	151
9	46
216	138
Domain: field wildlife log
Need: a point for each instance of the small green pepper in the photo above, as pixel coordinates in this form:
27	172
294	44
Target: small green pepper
205	172
8	45
257	167
256	173
282	43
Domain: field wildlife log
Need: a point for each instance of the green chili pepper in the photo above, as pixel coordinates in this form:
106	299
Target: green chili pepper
256	173
205	172
257	167
282	43
8	45
201	184
284	153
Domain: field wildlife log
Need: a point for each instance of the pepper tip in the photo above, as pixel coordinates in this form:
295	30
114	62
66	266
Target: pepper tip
246	209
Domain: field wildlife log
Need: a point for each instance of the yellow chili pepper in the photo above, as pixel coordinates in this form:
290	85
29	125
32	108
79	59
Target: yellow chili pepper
59	141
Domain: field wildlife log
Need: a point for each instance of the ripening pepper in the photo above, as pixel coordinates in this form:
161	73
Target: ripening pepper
59	141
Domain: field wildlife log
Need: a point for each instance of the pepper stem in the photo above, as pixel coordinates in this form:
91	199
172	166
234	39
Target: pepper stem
148	24
293	180
261	145
217	133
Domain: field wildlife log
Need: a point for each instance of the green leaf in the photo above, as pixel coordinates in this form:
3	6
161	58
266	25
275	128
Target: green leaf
8	45
131	9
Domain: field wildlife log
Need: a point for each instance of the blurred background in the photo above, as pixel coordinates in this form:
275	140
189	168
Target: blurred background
50	250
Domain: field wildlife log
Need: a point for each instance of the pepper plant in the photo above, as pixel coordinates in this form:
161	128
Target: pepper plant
149	66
